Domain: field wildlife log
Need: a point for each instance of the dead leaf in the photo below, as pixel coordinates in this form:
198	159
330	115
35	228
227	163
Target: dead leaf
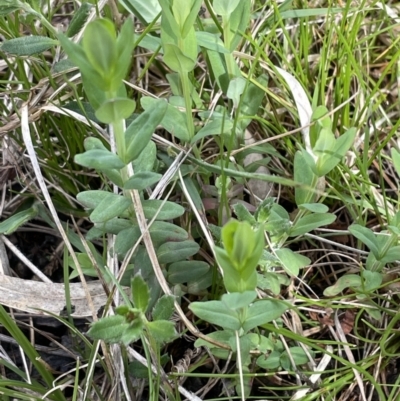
28	296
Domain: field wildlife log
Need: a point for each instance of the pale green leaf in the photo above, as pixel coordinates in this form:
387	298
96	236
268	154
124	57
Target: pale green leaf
176	251
292	262
311	222
140	293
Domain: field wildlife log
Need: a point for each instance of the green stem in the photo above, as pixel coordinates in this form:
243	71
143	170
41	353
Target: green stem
188	102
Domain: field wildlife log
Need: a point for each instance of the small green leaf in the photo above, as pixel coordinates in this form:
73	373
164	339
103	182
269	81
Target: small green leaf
260	342
114	110
132	332
186	271
218	126
367	237
303	175
142	180
99	159
28	45
216	312
139	132
292	262
211	42
311	222
238	300
176	60
140	293
298	354
164	308
346	281
174	120
92	143
161	330
225	7
176	251
396	159
270	362
111	206
235	89
78	20
99	44
146	11
314	207
262	312
164	210
11	224
110	329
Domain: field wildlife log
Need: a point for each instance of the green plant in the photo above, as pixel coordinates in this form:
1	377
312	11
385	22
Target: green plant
239	312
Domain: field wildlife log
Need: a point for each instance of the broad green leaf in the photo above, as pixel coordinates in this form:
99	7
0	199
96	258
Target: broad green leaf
140	293
115	176
110	207
225	7
325	142
92	143
292	262
314	207
238	300
164	308
142	180
162	231
372	280
221	336
191	17
367	237
243	214
331	158
146	11
164	210
186	271
139	132
125	46
346	281
161	330
146	160
239	20
114	110
126	239
174	120
391	255
396	159
303	175
28	45
235	90
261	343
99	159
177	60
114	226
344	143
132	332
262	312
90	199
217	126
211	42
298	354
78	20
270	362
99	44
109	329
311	222
216	312
176	251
